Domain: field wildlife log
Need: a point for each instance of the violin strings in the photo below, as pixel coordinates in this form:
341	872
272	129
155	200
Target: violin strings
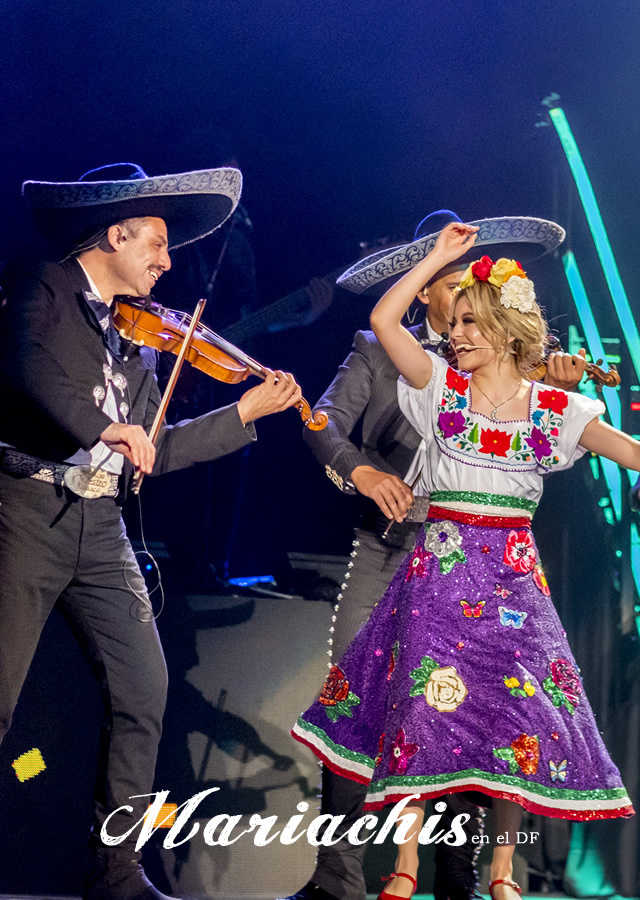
217	340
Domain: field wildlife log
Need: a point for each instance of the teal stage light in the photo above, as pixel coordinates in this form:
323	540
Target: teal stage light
610	470
590	329
599	233
635	560
623	311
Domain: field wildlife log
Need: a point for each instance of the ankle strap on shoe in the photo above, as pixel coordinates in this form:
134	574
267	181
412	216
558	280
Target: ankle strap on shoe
506	881
403	875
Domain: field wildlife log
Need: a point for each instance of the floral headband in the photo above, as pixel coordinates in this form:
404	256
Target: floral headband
516	290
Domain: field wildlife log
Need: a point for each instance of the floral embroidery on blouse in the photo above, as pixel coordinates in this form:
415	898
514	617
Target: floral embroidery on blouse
524	443
457	382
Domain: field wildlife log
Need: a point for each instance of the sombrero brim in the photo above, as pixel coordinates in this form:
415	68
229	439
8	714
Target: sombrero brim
192	204
527	238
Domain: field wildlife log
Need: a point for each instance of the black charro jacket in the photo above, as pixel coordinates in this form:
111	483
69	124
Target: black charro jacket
52	365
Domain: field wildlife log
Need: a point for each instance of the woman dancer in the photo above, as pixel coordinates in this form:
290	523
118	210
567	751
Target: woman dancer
463	678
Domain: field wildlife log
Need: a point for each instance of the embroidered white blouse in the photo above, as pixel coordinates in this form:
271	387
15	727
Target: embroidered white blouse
468	451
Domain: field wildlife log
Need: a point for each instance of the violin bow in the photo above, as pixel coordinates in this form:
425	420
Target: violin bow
164	403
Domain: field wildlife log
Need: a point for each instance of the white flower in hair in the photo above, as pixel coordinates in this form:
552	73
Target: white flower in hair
518	293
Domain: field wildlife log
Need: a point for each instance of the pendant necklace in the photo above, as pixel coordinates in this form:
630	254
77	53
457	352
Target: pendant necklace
496	406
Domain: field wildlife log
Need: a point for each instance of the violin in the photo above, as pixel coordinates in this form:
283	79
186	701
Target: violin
610	378
144	322
594	372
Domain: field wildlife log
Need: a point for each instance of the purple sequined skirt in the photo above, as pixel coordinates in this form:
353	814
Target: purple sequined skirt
462	679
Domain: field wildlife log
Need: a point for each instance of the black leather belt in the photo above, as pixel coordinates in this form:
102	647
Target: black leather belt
18	463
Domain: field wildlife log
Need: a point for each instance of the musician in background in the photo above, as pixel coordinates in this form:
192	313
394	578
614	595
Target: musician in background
201	532
222	268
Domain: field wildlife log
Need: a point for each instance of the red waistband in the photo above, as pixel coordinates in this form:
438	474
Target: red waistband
456	515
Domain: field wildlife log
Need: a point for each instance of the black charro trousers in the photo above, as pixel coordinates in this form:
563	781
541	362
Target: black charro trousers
57	548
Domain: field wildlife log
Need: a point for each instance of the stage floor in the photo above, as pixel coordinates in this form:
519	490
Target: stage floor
262	897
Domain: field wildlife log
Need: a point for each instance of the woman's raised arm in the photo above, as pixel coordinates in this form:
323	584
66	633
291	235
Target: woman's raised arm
386	319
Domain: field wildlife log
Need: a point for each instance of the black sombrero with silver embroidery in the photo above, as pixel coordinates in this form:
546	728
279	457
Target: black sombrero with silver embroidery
519	237
192	204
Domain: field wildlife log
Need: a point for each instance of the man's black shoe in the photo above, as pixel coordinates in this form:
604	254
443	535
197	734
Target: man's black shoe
119	876
311	891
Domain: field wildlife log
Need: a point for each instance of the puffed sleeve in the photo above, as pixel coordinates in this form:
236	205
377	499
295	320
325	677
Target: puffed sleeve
575	411
420	405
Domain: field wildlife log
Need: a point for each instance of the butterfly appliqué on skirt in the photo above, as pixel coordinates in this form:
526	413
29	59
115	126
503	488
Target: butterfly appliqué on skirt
472	612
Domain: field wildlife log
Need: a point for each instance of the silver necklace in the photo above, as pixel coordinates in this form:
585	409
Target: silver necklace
496	406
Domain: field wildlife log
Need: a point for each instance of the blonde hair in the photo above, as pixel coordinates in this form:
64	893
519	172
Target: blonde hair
499	324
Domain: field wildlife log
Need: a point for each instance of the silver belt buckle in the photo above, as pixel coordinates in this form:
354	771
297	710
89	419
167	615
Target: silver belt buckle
88	482
418	512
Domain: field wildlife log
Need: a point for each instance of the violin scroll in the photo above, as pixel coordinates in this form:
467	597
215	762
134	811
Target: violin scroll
593	371
611	378
313	423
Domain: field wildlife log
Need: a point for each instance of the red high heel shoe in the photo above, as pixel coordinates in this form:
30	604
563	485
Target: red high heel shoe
506	881
386	896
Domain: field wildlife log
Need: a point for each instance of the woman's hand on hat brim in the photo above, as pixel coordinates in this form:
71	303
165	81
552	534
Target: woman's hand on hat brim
454	241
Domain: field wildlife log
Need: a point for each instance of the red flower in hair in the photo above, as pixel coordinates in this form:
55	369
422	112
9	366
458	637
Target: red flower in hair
482	268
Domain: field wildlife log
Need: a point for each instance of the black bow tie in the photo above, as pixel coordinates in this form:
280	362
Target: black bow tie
102	316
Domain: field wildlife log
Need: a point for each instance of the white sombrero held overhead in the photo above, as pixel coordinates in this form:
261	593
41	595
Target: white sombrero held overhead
518	237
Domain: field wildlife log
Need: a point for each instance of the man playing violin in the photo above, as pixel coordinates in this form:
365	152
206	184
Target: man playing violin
76	402
381	471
